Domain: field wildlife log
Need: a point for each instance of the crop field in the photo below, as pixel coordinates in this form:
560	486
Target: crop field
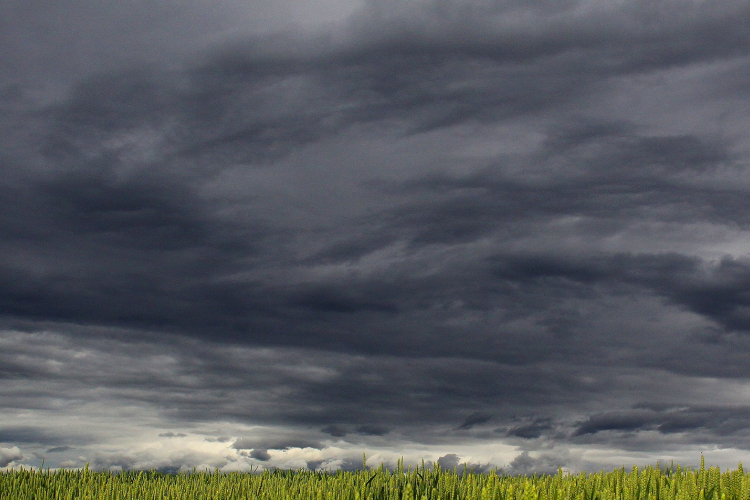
650	483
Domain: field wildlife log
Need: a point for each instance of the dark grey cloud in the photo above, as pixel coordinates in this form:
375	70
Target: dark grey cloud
547	463
479	224
171	434
246	444
335	430
372	430
28	434
220	439
338	431
530	430
716	291
350	464
719	421
53	43
474	419
59	449
449	461
9	455
314	464
260	454
151	214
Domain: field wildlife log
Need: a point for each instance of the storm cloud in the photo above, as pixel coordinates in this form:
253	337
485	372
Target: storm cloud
484	233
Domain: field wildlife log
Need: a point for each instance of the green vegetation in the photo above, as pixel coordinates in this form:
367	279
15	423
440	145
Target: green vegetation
651	483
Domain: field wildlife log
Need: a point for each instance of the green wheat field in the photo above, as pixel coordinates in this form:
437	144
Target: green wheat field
650	483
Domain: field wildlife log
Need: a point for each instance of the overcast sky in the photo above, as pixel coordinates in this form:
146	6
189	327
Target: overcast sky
281	233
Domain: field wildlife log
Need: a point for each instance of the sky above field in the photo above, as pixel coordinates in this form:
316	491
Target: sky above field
281	233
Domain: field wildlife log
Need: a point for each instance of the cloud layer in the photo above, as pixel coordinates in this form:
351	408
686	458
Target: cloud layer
477	232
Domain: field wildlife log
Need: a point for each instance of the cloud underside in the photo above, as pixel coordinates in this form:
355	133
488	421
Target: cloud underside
428	224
